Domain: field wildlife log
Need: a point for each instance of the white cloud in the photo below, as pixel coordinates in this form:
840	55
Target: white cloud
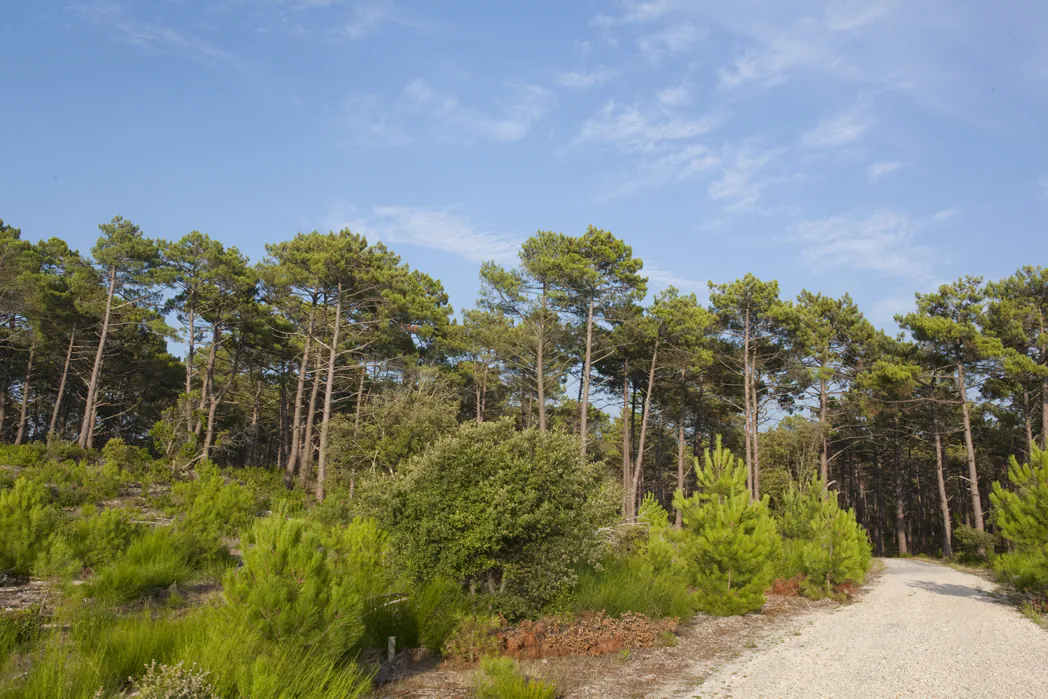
661	278
639	127
585	79
527	105
884	167
440	229
674	39
884	242
742	179
841	129
367	18
677	96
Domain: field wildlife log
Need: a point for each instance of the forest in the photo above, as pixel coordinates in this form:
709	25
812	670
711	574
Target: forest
264	478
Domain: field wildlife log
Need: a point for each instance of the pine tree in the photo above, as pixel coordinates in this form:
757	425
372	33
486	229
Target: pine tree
1021	517
735	542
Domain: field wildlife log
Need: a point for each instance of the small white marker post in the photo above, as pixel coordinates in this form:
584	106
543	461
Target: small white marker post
391	648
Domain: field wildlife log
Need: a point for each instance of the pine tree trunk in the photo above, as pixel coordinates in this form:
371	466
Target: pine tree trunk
584	403
296	422
24	410
944	503
360	399
1028	420
639	465
747	421
325	423
61	387
973	473
878	485
216	399
191	350
4	380
307	453
86	429
209	378
900	512
540	370
678	517
824	454
627	476
756	437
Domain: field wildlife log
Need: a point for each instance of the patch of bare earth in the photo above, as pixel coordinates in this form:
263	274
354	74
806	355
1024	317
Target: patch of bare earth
702	644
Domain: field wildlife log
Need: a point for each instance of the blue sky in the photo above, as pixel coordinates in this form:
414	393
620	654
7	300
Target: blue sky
878	147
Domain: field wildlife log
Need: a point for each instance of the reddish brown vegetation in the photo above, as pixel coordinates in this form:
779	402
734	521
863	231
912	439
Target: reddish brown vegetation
787	587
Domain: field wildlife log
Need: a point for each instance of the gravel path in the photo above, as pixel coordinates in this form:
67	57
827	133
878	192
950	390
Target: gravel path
923	630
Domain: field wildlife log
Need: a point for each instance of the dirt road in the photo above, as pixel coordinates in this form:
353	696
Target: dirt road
924	630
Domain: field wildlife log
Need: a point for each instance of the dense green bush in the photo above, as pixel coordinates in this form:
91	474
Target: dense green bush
1021	516
156	560
499	678
26	520
92	540
505	513
822	542
211	510
972	545
74	483
650	579
288	589
734	544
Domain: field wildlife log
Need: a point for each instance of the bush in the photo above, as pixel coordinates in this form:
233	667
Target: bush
1022	518
93	540
26	521
505	513
972	545
823	543
498	678
74	483
173	682
288	590
156	560
213	510
734	542
475	636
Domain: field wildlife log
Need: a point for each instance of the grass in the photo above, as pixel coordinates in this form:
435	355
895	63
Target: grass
154	561
499	678
1033	614
630	585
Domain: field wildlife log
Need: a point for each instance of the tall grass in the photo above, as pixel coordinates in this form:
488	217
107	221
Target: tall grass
498	678
156	560
632	584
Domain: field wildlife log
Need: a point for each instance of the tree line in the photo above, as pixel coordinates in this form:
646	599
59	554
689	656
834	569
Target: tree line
330	359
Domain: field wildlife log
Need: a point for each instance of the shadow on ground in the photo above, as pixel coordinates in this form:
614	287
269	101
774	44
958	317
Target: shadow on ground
952	590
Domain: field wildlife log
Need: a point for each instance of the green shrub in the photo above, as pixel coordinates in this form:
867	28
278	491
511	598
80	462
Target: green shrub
92	540
26	521
18	630
507	514
173	682
123	457
475	636
288	589
823	543
734	541
499	678
156	560
1021	516
75	483
212	510
972	545
23	455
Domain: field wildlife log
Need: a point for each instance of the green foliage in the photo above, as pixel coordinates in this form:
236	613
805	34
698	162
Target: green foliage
156	560
634	584
74	483
735	541
821	541
972	545
474	637
499	678
92	540
26	521
1022	518
212	509
289	590
502	512
173	682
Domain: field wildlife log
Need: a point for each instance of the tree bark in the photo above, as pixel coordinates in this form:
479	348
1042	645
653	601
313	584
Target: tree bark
216	399
540	370
973	473
639	465
296	422
878	486
360	399
307	452
1028	420
584	403
824	454
627	476
900	511
61	387
325	423
209	378
26	384
747	422
86	431
944	503
190	351
678	517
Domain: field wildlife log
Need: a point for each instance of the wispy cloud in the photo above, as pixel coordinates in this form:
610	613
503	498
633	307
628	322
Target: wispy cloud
585	79
847	126
441	229
367	18
680	37
373	121
156	36
884	167
743	178
885	242
661	278
640	127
